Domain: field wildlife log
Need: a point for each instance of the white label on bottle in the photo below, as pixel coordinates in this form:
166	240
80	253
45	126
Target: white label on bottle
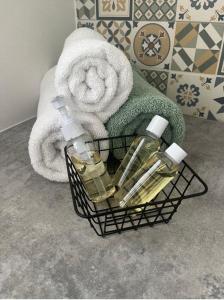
140	182
130	164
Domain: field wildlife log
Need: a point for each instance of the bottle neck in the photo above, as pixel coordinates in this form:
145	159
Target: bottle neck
151	135
83	146
172	161
64	115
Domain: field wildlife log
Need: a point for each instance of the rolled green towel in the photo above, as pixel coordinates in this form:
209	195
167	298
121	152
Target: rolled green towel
144	102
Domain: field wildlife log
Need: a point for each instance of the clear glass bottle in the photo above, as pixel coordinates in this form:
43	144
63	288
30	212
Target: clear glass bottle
86	159
154	175
141	149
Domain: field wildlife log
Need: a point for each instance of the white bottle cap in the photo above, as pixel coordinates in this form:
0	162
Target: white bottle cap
175	153
157	126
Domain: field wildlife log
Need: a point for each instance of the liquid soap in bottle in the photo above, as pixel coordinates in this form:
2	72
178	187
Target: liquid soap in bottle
154	175
85	158
141	149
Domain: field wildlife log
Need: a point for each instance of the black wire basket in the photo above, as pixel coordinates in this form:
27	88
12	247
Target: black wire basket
107	217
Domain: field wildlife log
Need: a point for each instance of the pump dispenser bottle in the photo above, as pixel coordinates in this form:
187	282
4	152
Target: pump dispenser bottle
154	175
141	149
87	161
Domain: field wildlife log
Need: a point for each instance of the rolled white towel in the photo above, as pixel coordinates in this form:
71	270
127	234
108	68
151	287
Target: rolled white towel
46	144
94	74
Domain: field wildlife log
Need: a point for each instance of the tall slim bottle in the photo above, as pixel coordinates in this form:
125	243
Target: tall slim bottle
141	150
87	161
154	175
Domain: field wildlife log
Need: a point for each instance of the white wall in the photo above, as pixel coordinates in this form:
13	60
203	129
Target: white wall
32	33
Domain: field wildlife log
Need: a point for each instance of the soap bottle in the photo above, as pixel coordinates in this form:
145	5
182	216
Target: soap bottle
154	175
85	158
141	149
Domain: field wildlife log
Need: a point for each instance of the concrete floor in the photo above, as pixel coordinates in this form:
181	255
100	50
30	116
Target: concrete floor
46	251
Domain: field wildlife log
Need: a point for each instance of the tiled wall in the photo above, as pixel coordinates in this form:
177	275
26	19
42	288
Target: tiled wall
178	44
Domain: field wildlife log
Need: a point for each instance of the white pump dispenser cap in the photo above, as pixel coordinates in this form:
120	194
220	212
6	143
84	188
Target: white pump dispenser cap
175	153
70	128
157	126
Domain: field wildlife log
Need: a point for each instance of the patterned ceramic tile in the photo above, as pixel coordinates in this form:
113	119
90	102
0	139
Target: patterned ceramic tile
184	46
216	104
197	95
114	9
201	10
206	61
183	59
219	81
88	24
85	9
186	34
221	63
182	37
158	79
197	47
152	44
218	15
210	36
155	10
117	33
191	92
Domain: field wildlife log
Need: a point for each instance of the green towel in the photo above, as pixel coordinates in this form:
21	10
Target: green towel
143	103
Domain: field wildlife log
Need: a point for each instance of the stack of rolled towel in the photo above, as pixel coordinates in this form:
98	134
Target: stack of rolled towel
96	80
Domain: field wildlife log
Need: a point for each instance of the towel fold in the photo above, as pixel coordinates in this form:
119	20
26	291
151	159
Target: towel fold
46	144
143	103
93	74
96	78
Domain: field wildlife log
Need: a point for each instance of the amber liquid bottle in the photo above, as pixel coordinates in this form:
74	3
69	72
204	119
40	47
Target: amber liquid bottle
141	149
154	175
85	158
93	173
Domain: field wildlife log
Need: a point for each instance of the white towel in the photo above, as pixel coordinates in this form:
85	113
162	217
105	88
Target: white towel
94	74
46	144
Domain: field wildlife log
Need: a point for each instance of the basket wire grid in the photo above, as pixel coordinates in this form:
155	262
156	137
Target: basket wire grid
107	217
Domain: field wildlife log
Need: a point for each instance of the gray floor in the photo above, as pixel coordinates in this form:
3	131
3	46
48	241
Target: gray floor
46	251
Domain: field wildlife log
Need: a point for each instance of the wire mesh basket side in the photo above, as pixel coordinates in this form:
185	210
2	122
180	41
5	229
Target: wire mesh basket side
108	217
